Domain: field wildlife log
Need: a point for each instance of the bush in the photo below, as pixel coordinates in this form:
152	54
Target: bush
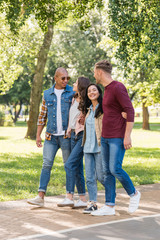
2	118
8	121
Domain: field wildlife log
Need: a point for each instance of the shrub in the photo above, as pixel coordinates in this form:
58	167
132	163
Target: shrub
8	121
2	118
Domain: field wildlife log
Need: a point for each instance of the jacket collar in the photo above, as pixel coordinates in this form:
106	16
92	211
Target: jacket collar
67	88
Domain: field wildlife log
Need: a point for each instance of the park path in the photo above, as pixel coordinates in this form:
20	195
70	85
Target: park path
21	221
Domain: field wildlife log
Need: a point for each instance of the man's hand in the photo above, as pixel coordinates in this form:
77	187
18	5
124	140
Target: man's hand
127	135
39	142
127	142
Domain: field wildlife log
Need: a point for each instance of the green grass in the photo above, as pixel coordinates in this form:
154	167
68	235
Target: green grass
21	162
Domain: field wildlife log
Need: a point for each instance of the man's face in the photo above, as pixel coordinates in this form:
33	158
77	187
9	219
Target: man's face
97	75
61	79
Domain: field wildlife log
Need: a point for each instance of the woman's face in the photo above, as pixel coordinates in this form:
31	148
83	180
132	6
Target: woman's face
75	86
93	93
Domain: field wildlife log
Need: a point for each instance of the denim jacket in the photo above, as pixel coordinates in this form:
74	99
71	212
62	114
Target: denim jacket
98	128
51	104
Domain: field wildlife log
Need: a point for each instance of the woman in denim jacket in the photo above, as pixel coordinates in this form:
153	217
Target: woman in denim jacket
74	164
91	143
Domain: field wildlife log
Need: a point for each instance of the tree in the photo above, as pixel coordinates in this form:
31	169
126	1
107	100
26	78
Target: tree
17	96
134	26
27	44
9	67
77	49
48	14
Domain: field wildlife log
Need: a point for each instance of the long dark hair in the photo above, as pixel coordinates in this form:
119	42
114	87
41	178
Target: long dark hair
83	83
88	102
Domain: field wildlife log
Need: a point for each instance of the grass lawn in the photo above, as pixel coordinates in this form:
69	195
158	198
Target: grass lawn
21	162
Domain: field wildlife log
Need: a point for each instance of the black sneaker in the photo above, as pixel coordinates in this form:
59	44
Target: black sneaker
90	209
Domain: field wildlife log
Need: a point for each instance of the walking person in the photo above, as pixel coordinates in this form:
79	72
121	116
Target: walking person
91	142
116	138
55	111
74	164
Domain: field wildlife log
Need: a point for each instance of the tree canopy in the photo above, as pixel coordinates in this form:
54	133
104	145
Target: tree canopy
134	26
45	11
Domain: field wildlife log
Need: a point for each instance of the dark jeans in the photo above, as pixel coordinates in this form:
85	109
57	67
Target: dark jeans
74	166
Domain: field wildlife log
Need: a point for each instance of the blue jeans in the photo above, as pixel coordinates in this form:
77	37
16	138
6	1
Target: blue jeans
74	166
94	172
112	157
49	152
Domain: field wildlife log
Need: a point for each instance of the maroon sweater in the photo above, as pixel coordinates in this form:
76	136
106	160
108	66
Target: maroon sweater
116	101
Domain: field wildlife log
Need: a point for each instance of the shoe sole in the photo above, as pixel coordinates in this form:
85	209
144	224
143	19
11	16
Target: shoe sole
65	205
36	204
102	215
87	212
78	207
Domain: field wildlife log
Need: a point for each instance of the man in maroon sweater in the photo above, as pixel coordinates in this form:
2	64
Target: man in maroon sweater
116	138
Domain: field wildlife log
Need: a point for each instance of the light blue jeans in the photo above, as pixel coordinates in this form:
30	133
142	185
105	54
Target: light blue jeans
94	172
74	166
49	152
112	157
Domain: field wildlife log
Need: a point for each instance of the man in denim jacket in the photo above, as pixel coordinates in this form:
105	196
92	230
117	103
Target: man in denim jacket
55	111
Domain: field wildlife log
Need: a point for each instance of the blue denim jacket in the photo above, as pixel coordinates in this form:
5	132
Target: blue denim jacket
51	103
91	143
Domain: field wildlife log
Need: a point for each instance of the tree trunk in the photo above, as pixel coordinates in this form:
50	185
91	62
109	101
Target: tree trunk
37	85
17	112
145	125
10	111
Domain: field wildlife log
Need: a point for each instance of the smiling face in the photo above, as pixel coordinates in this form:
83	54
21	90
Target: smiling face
93	93
61	79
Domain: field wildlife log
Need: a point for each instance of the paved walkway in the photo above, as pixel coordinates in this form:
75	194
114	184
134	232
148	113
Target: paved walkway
21	221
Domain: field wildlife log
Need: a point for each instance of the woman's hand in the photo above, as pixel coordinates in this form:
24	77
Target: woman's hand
124	115
81	119
68	133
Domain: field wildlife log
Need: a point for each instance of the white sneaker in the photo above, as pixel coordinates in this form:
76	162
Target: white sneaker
80	204
134	202
36	201
66	203
103	211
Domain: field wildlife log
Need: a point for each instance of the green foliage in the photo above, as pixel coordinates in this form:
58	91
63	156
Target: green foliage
76	50
134	26
8	121
2	118
150	94
18	54
45	11
5	120
9	68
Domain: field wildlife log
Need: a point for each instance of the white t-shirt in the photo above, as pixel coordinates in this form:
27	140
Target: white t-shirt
73	114
60	131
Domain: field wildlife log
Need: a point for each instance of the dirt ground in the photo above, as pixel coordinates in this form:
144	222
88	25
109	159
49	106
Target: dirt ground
19	219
